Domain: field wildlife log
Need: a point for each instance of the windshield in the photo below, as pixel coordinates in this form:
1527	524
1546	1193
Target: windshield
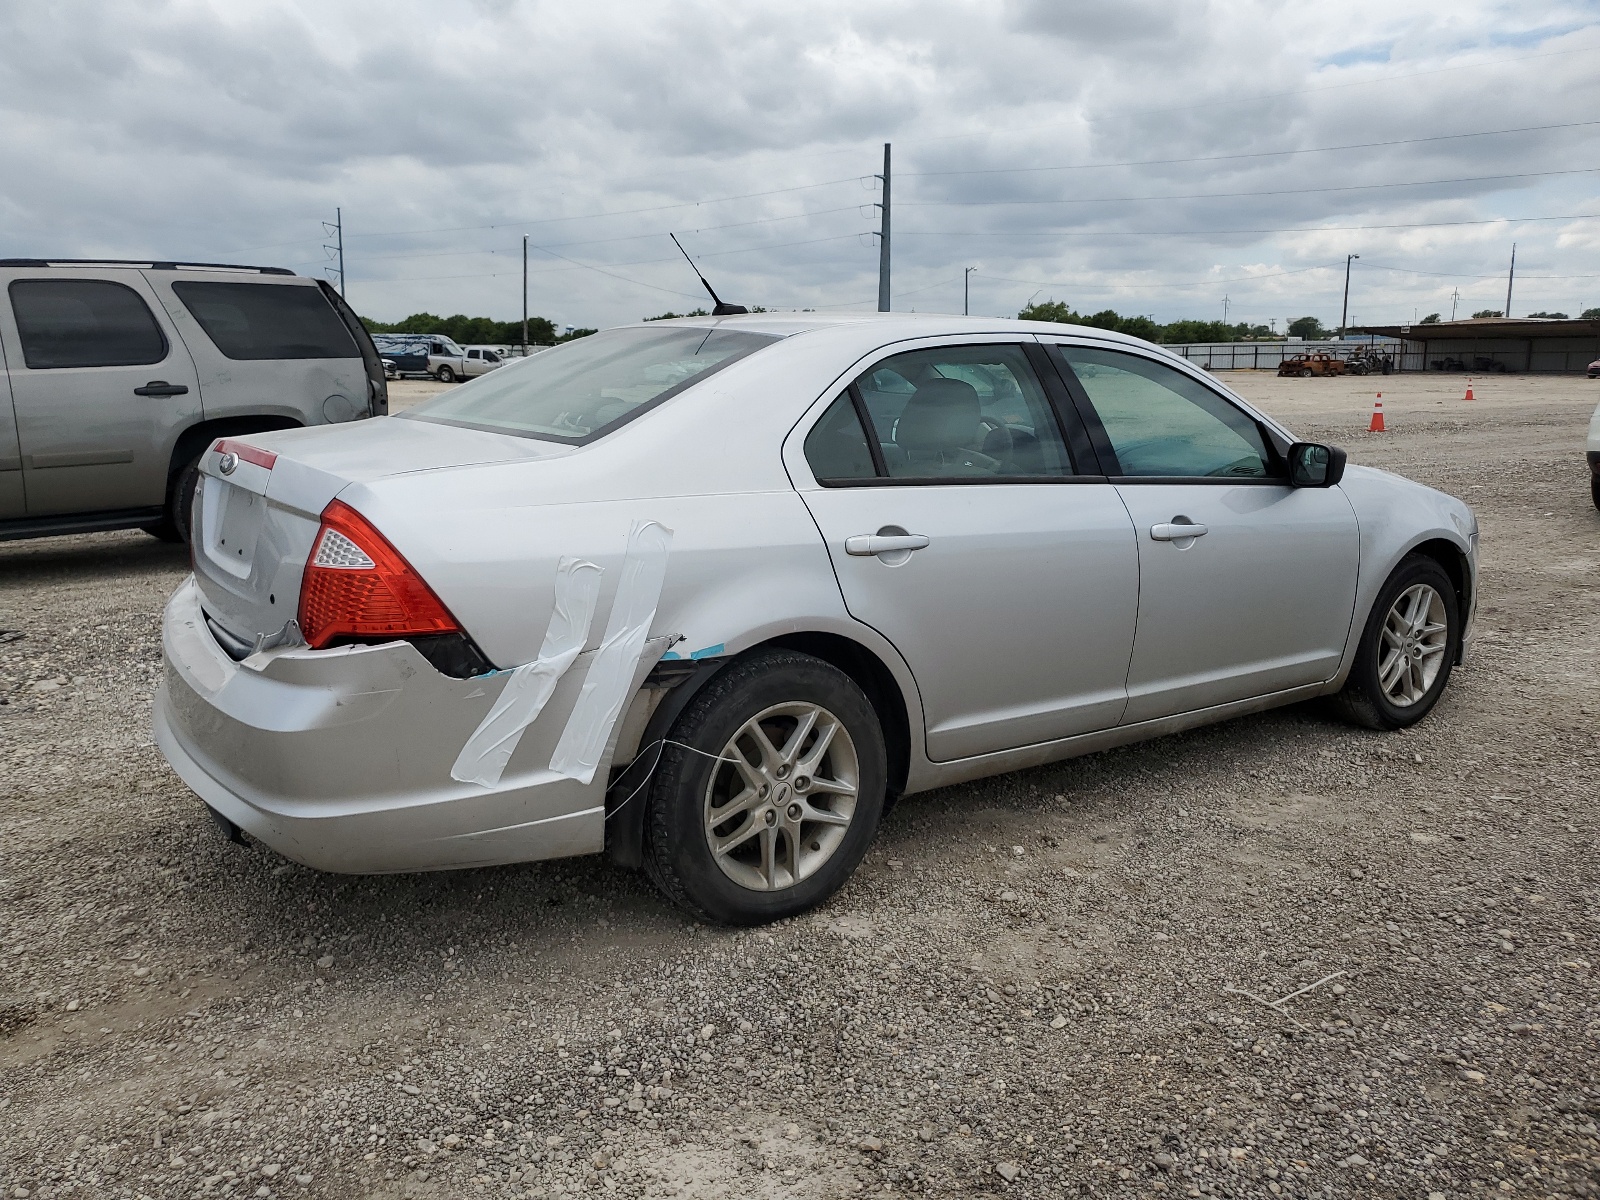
583	389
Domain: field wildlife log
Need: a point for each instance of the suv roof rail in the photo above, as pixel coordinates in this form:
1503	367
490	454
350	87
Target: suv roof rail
147	264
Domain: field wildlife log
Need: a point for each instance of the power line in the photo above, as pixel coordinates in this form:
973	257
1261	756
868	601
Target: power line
1163	162
1034	233
1352	187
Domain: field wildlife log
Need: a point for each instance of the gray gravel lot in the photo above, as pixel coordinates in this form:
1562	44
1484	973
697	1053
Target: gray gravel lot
1051	983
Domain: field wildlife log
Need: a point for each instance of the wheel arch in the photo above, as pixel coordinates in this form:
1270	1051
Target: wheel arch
625	821
197	437
1453	561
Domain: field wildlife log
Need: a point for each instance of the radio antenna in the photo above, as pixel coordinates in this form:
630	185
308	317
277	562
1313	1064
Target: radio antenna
720	309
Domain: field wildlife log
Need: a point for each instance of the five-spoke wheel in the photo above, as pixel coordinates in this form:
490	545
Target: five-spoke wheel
1407	648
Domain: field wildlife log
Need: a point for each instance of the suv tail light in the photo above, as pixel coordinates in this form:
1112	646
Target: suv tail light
358	586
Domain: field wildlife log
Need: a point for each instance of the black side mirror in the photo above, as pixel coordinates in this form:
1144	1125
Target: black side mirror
1312	465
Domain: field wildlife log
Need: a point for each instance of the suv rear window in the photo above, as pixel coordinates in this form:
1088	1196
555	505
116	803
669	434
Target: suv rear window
84	323
264	320
582	390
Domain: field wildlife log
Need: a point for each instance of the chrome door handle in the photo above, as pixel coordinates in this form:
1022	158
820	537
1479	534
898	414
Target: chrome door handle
1175	532
865	544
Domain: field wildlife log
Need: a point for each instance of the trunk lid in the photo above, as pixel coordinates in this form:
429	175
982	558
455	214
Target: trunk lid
260	500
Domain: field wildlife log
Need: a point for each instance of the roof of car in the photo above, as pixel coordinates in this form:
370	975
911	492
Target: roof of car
140	263
893	325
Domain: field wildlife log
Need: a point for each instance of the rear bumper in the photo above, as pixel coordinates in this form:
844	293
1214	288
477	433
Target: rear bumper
340	759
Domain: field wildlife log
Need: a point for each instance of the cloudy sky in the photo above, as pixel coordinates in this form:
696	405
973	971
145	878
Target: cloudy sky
1147	156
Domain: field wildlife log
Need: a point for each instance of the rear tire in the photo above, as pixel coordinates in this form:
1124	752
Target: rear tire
174	527
793	818
1410	642
1306	372
445	375
1594	489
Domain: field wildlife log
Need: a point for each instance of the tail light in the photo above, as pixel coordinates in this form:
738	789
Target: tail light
357	585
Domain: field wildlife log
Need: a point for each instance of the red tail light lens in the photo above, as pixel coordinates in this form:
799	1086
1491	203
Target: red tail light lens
357	585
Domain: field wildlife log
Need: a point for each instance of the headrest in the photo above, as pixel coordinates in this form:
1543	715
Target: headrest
942	414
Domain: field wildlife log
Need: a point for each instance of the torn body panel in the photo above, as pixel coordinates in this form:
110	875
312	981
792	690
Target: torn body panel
340	759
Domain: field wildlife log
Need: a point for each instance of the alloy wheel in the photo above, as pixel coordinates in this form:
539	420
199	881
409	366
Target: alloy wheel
1416	635
781	796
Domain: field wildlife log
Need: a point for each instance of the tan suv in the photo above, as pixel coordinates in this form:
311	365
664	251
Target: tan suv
120	374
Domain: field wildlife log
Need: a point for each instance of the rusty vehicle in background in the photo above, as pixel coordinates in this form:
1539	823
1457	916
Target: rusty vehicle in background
1307	365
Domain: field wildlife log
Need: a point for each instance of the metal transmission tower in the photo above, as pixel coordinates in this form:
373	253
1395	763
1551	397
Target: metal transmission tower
1455	299
883	237
966	291
524	295
336	231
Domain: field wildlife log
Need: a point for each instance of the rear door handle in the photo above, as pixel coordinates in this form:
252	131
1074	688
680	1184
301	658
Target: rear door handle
160	387
865	544
1176	532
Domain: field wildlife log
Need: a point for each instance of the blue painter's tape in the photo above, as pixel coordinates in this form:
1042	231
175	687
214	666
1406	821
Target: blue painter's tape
710	651
670	655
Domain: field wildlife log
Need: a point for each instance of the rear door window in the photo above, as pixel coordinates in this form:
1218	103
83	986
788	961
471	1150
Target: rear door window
251	321
84	323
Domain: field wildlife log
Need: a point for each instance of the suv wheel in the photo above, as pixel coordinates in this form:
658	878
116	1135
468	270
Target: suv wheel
445	374
1403	662
768	791
174	526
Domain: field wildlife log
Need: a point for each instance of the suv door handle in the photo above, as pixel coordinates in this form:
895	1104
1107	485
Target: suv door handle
1176	531
160	387
865	544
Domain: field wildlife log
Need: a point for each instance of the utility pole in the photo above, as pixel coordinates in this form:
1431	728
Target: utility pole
966	293
524	295
1510	276
1345	312
883	238
1455	299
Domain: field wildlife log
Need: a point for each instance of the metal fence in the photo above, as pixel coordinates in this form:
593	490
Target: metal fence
1266	356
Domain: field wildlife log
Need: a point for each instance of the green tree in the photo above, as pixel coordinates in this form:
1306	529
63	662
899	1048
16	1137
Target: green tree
1430	319
469	330
1487	312
1308	328
672	316
575	335
1590	314
1551	315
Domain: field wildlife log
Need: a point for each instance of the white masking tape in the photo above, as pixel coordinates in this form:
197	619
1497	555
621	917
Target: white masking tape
605	687
483	759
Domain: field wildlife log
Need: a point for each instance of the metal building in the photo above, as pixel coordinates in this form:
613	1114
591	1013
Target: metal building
1537	345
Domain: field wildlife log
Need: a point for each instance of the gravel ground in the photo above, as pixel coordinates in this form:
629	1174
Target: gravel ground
1051	983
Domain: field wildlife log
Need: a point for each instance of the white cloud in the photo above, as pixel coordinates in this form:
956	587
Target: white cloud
446	132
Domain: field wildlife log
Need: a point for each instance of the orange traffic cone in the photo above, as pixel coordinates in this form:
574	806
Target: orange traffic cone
1376	425
1468	396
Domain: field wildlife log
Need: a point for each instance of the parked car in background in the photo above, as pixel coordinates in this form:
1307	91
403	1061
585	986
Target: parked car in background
1594	369
708	593
412	355
1307	365
121	374
480	360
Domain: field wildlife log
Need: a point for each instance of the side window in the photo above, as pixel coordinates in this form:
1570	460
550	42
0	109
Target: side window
84	323
1163	423
836	447
474	353
249	321
963	411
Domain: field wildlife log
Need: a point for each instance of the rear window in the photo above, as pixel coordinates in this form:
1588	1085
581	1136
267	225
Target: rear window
581	390
84	323
262	320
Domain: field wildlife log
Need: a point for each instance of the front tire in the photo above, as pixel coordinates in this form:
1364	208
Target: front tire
1410	642
768	793
1594	489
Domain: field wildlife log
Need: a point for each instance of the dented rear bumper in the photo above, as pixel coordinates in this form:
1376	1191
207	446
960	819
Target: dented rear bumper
340	759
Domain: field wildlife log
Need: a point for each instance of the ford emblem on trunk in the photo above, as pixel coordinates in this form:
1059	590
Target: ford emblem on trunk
228	463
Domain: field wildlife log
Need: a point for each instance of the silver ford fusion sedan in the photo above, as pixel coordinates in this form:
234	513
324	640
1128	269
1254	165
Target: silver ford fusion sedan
707	594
